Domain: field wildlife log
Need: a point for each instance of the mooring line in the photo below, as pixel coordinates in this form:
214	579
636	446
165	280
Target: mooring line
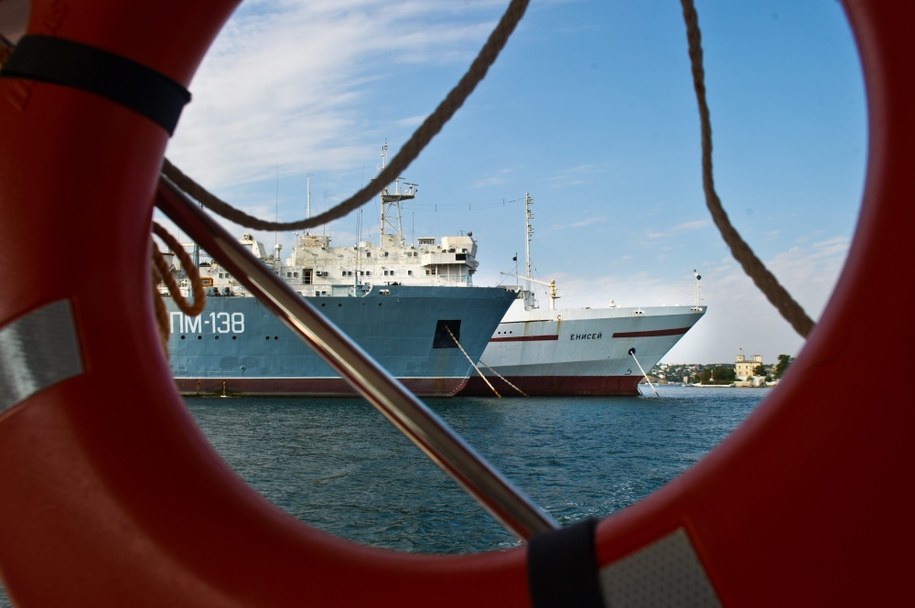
448	329
644	375
504	379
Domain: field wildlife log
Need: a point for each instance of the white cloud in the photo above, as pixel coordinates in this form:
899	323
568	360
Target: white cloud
285	83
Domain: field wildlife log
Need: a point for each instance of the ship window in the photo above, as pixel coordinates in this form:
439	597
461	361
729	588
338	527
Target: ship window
410	273
444	329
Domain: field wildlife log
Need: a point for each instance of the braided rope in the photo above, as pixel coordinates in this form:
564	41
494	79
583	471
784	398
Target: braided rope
407	154
162	274
757	271
194	308
161	312
504	379
472	364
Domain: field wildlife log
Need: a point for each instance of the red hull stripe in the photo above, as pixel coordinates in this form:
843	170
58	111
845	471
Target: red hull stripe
525	338
323	387
677	331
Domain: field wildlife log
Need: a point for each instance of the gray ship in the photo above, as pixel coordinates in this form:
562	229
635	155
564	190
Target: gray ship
411	307
427	337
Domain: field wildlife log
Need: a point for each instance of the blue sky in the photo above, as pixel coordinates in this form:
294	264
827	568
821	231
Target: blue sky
590	109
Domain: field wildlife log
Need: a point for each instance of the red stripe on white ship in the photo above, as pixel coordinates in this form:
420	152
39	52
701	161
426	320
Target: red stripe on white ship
679	331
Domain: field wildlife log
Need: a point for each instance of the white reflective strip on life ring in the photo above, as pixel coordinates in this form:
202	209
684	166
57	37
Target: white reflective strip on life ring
665	573
37	351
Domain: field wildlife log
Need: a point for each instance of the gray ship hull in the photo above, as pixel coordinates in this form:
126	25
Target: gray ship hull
237	347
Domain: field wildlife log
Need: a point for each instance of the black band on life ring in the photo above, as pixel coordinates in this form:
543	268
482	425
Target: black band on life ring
124	81
562	568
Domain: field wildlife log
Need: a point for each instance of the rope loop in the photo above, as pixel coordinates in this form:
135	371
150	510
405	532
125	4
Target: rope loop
161	273
190	308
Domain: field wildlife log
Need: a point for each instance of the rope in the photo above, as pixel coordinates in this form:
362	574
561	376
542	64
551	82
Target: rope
764	280
504	379
407	154
162	274
159	305
448	329
644	375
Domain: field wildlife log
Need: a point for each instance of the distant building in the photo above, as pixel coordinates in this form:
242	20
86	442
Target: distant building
745	370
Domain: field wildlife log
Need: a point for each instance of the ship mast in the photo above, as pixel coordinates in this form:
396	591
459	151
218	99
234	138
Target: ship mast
528	235
698	293
529	299
391	223
308	196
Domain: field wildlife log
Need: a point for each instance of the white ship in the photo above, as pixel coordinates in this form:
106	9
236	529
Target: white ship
576	351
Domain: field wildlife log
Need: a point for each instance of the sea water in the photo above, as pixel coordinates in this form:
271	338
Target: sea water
339	465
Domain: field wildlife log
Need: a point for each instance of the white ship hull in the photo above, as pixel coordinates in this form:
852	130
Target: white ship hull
579	351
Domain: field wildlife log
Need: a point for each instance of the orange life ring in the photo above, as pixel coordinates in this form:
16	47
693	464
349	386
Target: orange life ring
111	504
